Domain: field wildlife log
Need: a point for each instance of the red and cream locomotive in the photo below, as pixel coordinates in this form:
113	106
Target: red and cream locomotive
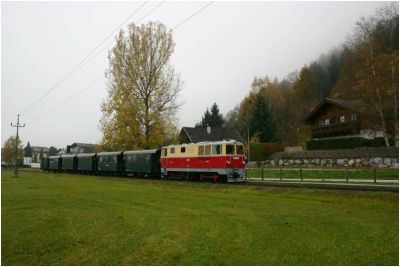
217	161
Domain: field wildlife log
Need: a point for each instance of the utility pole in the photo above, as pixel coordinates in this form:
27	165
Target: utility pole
248	142
16	146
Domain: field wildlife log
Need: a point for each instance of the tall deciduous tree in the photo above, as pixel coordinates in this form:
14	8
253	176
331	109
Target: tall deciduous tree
8	151
143	90
371	73
231	118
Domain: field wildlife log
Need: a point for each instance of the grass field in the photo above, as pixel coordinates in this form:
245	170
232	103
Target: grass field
61	219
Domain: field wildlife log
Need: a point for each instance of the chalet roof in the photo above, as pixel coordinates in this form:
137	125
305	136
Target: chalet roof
343	103
200	134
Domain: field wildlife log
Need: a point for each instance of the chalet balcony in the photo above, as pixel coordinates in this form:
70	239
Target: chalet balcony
337	129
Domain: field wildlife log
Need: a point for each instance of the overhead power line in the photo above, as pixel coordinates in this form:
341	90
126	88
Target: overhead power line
112	41
79	65
191	16
67	100
97	53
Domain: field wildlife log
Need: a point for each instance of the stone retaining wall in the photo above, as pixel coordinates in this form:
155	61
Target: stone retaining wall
377	162
374	157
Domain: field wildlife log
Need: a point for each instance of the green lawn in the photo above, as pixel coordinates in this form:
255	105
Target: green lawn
61	219
294	173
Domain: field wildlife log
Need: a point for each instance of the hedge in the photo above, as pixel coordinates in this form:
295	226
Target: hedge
343	143
261	151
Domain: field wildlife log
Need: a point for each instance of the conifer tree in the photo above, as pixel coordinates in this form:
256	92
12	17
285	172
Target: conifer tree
28	150
262	126
213	119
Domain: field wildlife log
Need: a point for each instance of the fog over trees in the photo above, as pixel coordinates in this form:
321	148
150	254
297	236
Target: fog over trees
364	69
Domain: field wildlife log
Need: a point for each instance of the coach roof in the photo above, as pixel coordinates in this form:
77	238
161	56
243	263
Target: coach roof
86	155
150	151
109	153
69	156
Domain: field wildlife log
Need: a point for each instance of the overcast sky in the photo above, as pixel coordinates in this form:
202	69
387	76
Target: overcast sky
218	53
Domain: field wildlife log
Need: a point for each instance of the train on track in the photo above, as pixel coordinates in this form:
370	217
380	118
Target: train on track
221	161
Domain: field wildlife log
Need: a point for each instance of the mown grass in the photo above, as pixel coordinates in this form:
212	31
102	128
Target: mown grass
381	174
62	219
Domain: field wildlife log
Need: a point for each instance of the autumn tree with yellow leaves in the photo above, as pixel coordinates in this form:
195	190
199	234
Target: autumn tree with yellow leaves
371	72
143	90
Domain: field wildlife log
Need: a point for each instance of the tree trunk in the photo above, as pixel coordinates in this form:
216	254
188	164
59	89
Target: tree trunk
379	99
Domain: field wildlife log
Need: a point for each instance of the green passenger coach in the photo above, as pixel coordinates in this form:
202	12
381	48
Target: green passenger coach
87	162
142	163
69	163
110	162
55	163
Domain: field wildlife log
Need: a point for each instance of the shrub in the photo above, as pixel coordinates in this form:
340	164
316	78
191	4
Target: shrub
344	143
261	151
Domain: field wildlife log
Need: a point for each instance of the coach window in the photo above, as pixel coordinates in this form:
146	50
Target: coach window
207	150
239	150
172	150
216	149
230	149
183	149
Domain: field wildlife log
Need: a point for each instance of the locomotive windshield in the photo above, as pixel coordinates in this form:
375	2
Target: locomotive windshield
230	149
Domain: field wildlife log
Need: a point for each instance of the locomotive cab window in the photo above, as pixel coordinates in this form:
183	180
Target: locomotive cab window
183	149
164	153
230	149
216	149
172	150
239	150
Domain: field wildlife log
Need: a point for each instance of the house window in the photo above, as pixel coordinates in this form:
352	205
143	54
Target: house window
353	117
321	123
326	122
342	119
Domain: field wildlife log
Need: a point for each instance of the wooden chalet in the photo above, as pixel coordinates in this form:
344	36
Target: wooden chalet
336	118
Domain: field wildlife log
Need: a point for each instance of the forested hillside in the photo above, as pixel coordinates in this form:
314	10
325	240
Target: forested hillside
365	70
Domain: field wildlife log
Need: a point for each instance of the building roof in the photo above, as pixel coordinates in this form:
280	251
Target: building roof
343	103
39	148
200	134
83	145
232	142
